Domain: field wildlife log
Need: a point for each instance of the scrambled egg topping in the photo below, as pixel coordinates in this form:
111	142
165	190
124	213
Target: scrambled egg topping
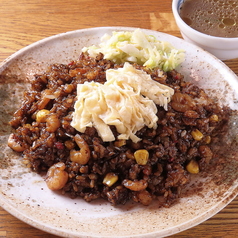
127	101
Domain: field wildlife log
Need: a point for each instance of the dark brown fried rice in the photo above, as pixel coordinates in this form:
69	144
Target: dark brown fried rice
184	134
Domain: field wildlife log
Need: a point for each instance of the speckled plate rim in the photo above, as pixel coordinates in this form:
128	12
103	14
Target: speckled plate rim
229	195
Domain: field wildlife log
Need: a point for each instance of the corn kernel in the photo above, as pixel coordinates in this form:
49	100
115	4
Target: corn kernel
41	115
214	118
197	135
141	156
110	179
119	143
192	167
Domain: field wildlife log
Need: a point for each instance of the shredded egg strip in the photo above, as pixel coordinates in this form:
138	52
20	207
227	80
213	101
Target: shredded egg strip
127	100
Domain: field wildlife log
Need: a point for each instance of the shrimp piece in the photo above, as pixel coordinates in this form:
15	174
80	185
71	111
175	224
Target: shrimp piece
83	155
56	176
15	144
144	197
52	122
137	185
182	102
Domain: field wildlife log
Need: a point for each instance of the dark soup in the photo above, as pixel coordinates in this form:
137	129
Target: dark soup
212	17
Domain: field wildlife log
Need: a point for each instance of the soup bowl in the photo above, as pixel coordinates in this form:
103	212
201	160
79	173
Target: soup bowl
222	47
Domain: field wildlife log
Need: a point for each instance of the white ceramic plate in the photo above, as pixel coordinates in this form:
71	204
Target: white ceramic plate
25	195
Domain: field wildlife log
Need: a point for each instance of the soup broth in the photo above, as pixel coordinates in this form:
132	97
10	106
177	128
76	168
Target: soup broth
212	17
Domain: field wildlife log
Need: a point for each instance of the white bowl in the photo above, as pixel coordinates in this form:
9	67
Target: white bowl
25	194
223	48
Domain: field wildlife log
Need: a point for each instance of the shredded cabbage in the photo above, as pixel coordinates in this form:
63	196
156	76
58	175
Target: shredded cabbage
137	47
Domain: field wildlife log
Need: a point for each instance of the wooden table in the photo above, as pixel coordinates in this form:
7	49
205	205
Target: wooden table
23	22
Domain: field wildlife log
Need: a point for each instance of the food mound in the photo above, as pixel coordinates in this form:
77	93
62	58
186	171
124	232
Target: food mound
157	165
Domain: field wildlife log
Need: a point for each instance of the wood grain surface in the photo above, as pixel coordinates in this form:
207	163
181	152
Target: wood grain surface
23	22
